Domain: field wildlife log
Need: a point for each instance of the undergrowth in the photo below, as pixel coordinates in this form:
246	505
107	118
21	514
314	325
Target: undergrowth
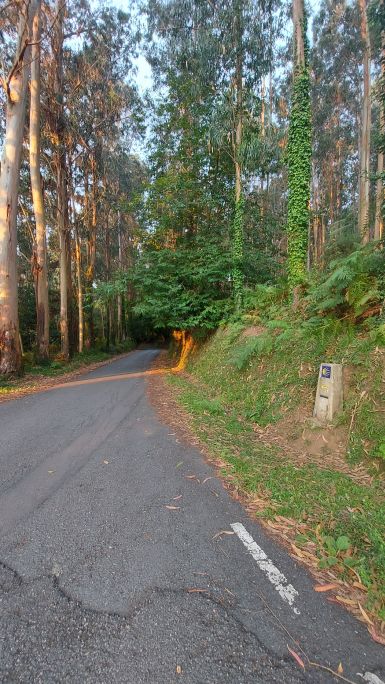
262	367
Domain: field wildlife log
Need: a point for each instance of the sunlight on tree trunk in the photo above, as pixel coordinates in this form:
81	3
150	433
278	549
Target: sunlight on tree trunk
16	91
40	260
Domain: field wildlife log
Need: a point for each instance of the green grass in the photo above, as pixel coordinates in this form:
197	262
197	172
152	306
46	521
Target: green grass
224	402
55	368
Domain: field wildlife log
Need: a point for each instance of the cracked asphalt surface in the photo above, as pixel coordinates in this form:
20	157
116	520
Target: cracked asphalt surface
100	582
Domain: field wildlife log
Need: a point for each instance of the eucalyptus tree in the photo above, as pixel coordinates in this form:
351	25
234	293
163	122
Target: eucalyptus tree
209	60
376	13
103	109
15	85
336	59
365	132
40	251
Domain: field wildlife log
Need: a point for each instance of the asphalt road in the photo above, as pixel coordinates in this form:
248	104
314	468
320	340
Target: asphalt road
101	582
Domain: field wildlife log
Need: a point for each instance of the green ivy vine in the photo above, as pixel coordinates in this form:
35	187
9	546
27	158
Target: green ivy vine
237	274
299	152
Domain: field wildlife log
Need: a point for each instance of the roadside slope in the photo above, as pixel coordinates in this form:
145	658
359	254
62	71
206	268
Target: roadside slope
248	395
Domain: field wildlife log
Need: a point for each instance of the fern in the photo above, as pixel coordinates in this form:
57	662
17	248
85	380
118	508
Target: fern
254	346
352	283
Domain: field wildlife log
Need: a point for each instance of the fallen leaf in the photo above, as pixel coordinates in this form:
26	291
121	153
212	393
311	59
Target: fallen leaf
377	637
348	602
360	586
219	534
190	477
297	551
206	479
365	615
296	657
173	508
340	669
325	587
177	497
178	669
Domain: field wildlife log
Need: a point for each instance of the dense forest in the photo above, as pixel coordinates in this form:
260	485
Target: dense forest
255	159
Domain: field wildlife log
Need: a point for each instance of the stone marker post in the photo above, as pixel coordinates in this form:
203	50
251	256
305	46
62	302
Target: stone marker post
329	397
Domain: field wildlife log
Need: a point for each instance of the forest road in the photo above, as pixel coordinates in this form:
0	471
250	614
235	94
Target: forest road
112	568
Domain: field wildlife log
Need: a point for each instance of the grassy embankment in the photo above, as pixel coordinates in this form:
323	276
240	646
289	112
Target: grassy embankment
250	390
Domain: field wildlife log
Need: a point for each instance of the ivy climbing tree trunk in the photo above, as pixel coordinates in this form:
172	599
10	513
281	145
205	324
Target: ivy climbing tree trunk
238	233
16	91
40	252
299	156
364	183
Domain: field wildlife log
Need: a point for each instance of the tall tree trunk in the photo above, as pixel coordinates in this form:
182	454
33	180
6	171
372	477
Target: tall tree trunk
78	262
40	257
16	92
380	198
61	179
119	299
91	251
238	234
364	184
299	158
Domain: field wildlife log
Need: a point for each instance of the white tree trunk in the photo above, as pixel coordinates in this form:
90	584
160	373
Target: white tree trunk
16	90
40	261
364	182
380	198
299	46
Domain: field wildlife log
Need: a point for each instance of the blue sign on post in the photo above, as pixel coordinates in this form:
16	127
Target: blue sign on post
326	371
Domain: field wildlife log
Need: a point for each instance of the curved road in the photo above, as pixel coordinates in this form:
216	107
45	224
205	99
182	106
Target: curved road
112	568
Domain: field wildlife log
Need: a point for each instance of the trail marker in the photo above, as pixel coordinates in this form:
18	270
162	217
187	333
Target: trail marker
329	398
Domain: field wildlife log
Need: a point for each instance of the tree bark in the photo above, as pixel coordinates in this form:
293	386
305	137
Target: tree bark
238	237
298	22
380	198
61	179
40	256
78	262
364	183
91	251
119	299
16	91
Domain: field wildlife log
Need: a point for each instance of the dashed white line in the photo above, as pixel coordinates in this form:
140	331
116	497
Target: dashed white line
275	576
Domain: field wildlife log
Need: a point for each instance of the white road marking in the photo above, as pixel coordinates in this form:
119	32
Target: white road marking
275	576
371	678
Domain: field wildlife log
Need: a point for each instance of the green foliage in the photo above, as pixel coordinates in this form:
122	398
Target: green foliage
334	549
183	288
253	347
299	153
238	246
351	284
